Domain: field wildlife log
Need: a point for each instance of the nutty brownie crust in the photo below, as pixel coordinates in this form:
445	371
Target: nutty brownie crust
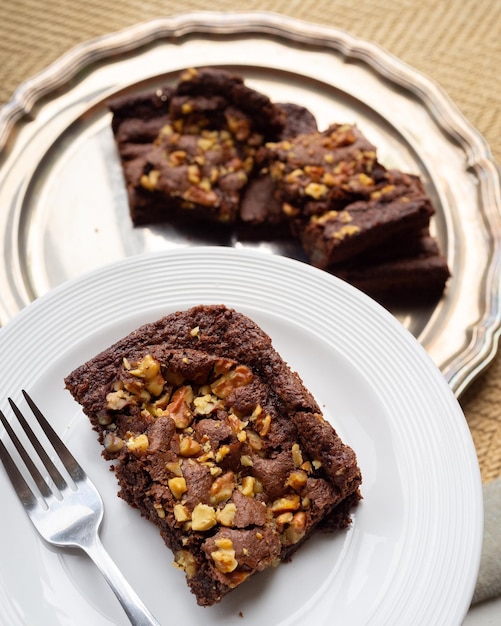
339	199
215	440
394	206
261	205
213	149
212	95
202	154
321	171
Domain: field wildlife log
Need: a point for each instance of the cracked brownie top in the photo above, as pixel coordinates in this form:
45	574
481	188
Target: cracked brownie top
217	441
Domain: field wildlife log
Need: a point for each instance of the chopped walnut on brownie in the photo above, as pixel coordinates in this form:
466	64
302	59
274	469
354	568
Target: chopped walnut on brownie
320	171
260	208
211	148
202	155
339	199
215	440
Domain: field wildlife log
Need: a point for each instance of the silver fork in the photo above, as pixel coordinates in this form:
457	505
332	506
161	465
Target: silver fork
71	515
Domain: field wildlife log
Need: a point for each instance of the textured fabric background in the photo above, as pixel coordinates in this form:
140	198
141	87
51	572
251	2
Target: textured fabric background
455	42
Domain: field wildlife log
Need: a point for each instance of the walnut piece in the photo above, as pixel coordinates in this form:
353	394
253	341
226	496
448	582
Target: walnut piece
203	517
224	558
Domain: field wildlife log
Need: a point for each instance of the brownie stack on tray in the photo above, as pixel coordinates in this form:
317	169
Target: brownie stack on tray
213	149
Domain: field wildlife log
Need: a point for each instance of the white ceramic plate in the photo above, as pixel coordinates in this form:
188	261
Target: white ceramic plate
411	555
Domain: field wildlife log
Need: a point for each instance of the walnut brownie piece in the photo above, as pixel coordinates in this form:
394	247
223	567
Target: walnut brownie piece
320	171
339	199
136	123
395	206
298	120
261	212
202	151
215	440
417	275
203	154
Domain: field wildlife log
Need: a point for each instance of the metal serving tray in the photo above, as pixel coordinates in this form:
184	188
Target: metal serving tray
62	197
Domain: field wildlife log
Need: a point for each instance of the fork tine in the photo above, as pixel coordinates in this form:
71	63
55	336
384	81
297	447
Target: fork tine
20	485
44	457
32	468
69	461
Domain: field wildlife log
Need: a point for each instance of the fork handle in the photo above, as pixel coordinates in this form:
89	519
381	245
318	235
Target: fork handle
133	606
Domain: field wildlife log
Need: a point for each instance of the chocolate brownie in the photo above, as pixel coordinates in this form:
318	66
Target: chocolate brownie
136	122
298	120
211	148
321	171
260	206
339	199
414	276
202	154
393	206
217	442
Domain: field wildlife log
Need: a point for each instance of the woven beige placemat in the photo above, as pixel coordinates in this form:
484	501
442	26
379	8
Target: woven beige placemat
455	42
